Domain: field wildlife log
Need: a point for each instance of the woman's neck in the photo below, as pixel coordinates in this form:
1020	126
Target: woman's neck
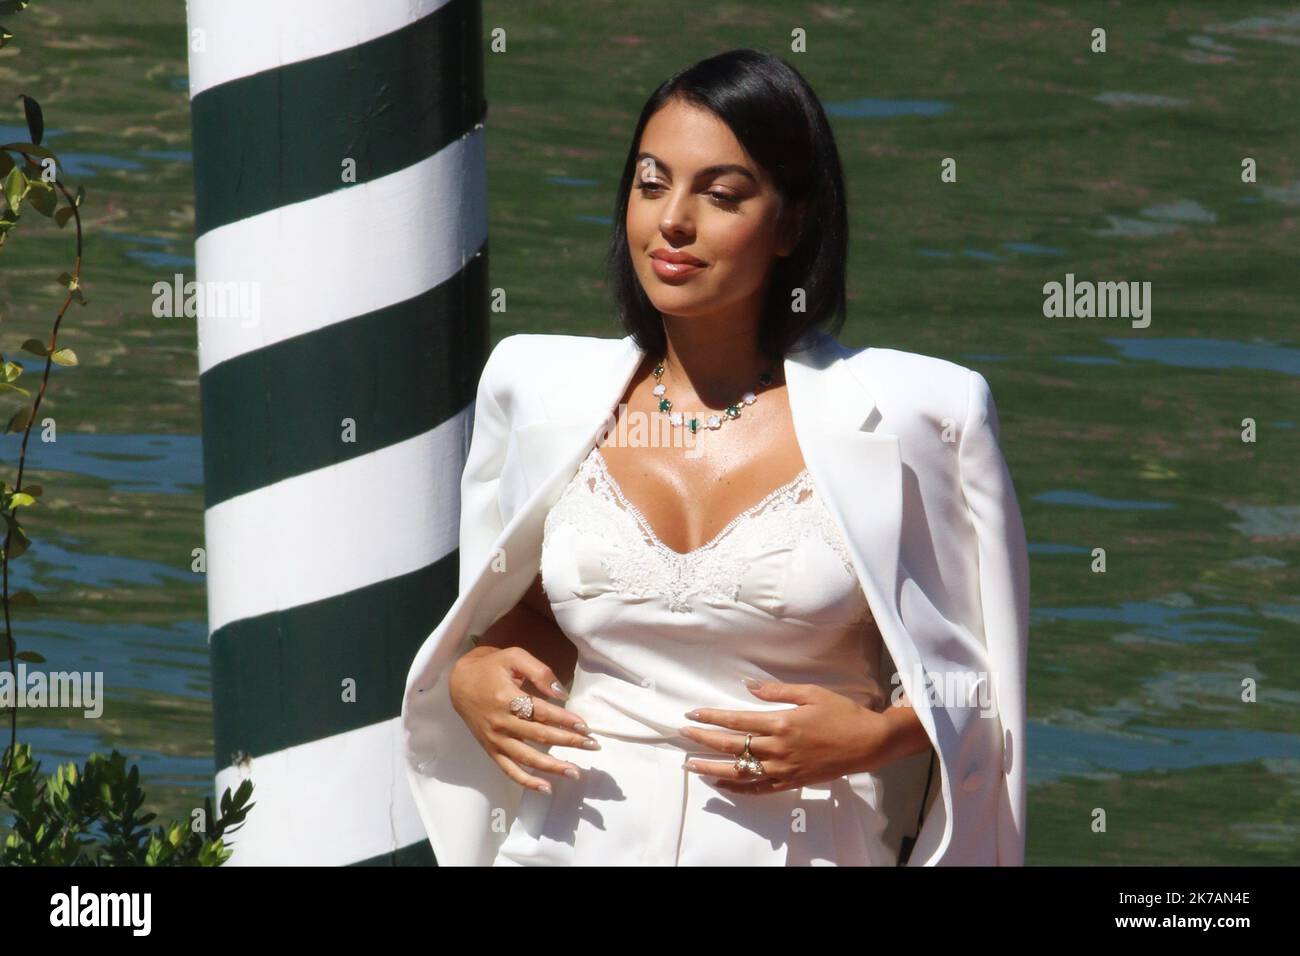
713	363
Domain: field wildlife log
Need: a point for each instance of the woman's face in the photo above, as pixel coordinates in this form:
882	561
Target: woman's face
696	191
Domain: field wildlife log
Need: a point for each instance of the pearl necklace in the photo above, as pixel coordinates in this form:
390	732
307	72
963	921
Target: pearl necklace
713	421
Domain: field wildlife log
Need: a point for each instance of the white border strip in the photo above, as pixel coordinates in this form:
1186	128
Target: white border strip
331	802
243	37
338	528
334	257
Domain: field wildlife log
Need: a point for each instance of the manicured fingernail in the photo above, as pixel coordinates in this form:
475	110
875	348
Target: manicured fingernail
580	727
690	765
750	682
545	788
591	744
571	772
559	689
692	715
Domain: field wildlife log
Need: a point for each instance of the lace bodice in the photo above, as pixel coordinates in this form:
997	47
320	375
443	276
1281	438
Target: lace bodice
636	562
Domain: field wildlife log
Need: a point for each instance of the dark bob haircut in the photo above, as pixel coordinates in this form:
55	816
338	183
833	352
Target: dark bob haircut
773	112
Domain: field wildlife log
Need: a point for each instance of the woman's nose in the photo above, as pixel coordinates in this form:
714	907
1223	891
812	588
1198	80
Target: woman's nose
676	219
674	232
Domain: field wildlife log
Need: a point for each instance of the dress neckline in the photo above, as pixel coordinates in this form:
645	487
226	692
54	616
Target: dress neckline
803	477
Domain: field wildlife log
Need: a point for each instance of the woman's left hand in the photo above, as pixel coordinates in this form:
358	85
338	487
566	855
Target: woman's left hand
825	737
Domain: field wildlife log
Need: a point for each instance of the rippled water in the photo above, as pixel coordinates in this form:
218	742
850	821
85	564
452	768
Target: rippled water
1116	167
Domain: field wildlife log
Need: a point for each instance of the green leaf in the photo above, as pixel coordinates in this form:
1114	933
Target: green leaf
64	356
6	161
11	370
35	490
22	599
42	197
71	283
30	149
15	185
7	387
35	347
12	6
30	656
5	37
20	499
20	418
18	542
35	121
62	216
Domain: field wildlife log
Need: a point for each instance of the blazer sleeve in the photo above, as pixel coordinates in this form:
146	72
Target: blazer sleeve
456	785
1004	597
480	512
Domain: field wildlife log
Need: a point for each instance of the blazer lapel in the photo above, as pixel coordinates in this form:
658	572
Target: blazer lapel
548	454
855	467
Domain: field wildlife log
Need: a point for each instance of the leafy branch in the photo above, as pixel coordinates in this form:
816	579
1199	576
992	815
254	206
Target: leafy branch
32	184
87	816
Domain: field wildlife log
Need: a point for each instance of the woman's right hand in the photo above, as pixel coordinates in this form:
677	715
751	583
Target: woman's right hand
483	682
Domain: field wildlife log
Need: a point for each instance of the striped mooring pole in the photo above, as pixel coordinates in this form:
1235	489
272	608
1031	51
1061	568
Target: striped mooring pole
340	291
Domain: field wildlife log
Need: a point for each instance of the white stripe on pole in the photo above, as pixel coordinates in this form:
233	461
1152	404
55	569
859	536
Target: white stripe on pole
318	803
243	37
338	256
325	532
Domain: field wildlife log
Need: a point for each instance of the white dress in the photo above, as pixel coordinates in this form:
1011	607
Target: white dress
772	596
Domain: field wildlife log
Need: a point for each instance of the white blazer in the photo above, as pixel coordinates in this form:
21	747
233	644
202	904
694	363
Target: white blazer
903	449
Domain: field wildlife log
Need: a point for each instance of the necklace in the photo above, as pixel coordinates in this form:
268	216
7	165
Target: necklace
713	421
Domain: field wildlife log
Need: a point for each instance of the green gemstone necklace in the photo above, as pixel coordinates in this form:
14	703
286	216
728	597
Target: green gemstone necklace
713	421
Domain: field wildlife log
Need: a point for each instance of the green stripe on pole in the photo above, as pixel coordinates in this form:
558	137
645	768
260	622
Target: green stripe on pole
397	373
280	136
277	679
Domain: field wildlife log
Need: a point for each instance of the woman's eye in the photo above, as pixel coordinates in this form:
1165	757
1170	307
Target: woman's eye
649	188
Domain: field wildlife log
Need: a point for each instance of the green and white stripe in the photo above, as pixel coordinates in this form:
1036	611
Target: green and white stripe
331	560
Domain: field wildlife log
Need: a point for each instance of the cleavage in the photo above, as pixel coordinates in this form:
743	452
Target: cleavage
736	516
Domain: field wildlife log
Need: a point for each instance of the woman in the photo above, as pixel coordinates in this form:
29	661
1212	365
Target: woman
793	630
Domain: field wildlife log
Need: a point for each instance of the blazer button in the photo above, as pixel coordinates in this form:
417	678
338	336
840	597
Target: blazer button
973	781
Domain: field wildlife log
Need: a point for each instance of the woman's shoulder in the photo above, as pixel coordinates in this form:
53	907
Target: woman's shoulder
908	373
912	388
531	348
526	365
901	365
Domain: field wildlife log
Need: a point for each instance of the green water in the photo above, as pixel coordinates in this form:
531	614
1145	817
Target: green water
1116	166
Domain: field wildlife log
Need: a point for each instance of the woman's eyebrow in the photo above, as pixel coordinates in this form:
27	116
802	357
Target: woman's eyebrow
706	171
